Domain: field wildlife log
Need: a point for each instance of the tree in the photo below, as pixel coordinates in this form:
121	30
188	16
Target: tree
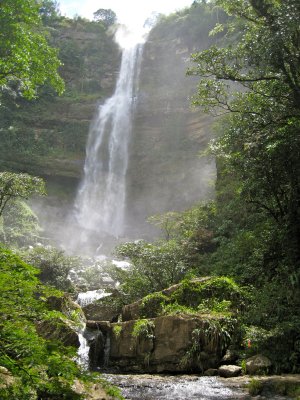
26	59
13	186
49	12
254	81
107	16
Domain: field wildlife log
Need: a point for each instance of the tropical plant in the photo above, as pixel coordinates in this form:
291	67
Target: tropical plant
26	59
22	186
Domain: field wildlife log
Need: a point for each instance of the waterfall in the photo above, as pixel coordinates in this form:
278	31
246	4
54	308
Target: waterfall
101	200
83	351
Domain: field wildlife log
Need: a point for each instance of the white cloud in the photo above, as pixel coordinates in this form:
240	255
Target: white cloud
129	12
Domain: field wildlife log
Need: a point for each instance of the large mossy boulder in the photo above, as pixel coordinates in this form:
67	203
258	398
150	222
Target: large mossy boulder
65	326
258	364
203	295
58	329
68	307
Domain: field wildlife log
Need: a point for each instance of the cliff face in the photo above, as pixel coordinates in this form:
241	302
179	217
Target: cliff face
165	170
47	137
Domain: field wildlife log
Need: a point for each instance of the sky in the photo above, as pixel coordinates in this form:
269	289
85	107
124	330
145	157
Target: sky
129	12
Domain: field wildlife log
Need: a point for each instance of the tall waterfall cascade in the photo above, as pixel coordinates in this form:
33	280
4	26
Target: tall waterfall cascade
101	200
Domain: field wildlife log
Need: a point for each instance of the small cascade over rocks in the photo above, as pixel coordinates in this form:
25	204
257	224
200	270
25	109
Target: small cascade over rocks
89	297
83	351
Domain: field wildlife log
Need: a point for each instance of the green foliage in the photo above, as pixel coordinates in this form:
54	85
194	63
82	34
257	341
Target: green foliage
143	328
217	290
26	59
53	264
153	304
49	12
117	330
43	368
253	81
255	387
174	309
154	267
20	185
20	224
106	16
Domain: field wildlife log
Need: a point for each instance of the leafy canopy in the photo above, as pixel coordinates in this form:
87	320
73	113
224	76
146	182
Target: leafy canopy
106	16
26	59
42	369
254	81
21	185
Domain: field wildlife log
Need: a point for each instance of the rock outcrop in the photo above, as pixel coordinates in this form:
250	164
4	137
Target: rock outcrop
173	343
58	329
258	364
149	340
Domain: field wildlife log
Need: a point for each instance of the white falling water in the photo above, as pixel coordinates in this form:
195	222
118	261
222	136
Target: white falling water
83	351
101	200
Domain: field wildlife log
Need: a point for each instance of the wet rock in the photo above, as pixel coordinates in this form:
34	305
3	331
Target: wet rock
230	357
258	364
58	329
229	371
132	311
103	326
169	345
100	312
96	352
66	306
211	372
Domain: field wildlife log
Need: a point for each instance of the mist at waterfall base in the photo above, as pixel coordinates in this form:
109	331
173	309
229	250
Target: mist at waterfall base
109	206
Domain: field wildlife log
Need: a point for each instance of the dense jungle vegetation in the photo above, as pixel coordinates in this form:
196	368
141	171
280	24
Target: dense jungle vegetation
251	230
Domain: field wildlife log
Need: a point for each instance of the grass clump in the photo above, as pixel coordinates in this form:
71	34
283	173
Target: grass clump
255	387
117	329
143	328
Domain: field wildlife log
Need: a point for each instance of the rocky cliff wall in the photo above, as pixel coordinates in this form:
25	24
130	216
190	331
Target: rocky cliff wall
165	171
47	137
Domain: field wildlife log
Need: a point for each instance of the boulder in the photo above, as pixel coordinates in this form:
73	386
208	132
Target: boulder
100	312
229	371
211	372
58	329
103	326
258	364
173	343
230	357
189	294
68	307
132	311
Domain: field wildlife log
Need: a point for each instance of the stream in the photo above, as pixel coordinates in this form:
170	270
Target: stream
182	387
